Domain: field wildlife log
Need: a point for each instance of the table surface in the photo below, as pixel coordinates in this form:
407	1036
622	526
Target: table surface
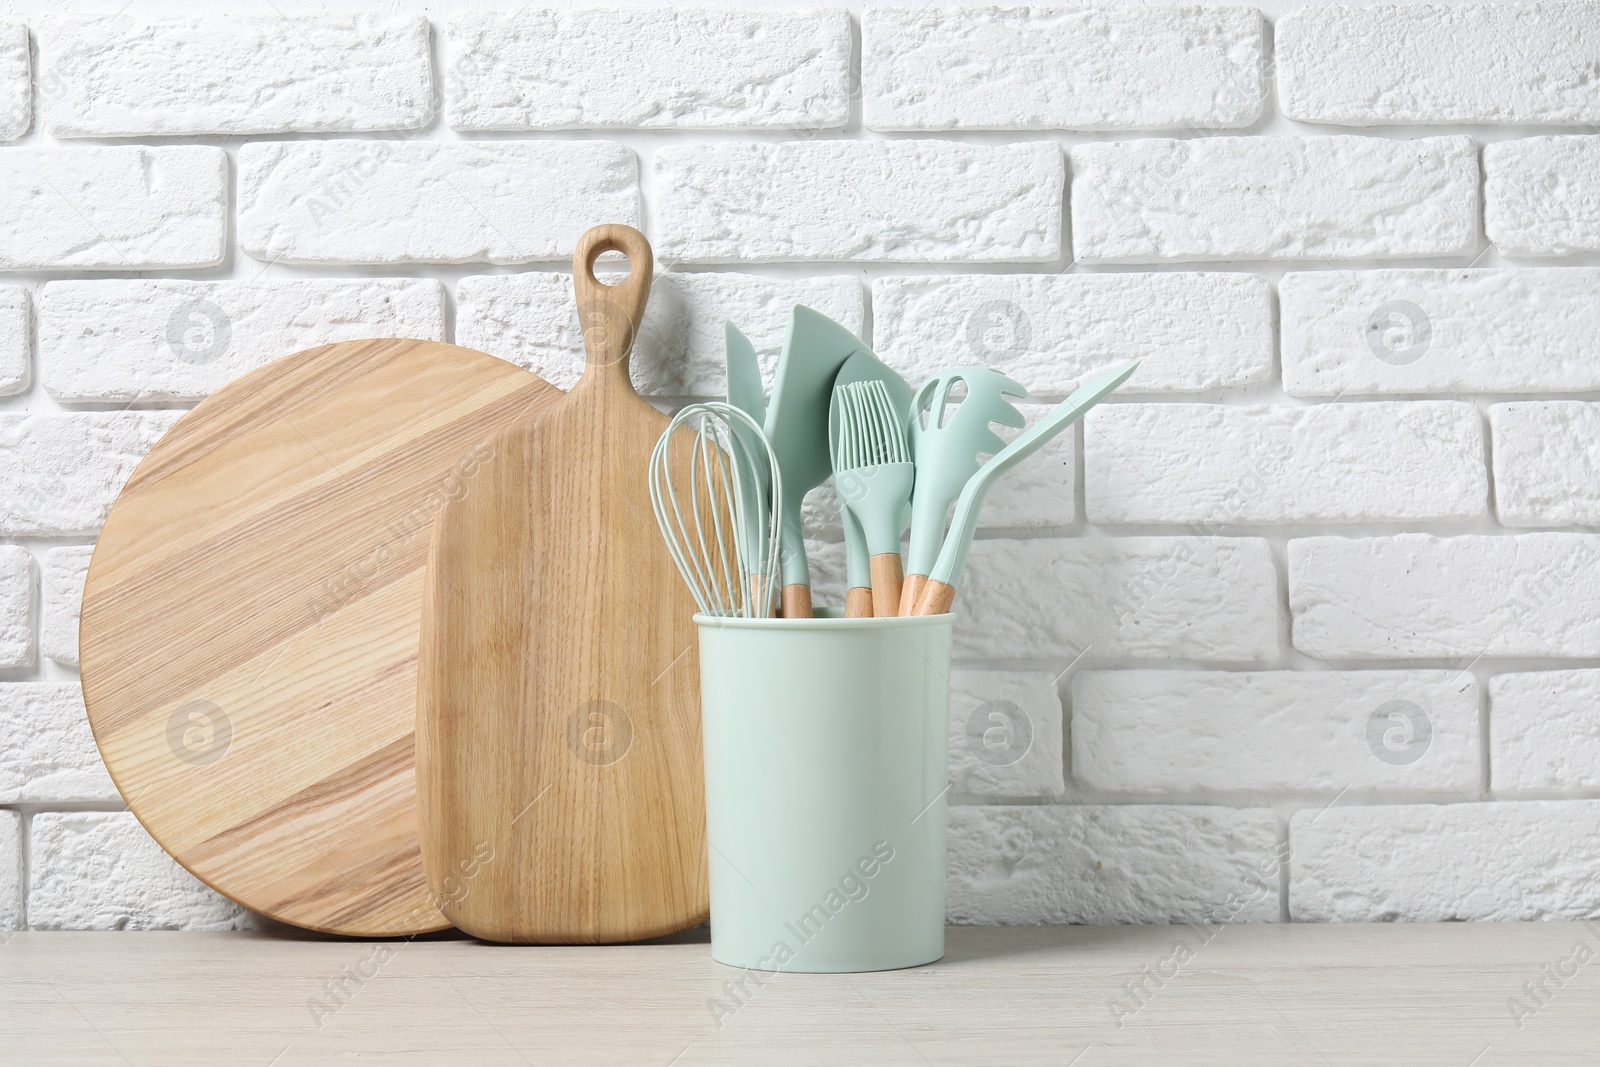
1466	995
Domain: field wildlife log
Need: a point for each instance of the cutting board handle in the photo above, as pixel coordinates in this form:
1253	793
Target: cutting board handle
609	315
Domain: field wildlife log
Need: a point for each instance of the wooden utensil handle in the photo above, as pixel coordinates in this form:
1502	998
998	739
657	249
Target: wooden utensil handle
609	315
910	592
886	582
936	598
858	603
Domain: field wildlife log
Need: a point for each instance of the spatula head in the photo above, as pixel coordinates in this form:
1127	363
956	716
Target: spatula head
797	419
949	431
744	374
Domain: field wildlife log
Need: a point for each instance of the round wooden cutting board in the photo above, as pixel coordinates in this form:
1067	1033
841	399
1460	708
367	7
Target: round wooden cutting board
251	616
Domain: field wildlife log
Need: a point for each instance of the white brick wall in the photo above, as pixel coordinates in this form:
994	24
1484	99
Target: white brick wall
1425	863
908	201
1050	331
19	611
59	474
1533	330
1005	734
11	888
1547	462
633	68
1246	590
1214	464
127	76
103	341
1158	200
1542	195
1410	595
16	81
15	341
61	586
1178	732
375	201
113	208
94	870
1408	64
1077	864
1074	68
47	751
1544	731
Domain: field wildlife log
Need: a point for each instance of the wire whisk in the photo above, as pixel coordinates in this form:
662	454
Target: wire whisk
715	506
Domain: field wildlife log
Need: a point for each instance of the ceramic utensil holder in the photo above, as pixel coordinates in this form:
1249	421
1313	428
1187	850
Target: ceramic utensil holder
825	762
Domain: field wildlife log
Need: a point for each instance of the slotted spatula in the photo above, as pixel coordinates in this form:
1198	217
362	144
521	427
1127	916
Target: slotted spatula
948	435
558	730
939	593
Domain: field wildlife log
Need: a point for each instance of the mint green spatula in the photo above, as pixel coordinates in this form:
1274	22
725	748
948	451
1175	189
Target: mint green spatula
940	592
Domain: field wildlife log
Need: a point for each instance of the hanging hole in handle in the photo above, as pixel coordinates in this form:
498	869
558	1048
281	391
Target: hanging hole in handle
611	261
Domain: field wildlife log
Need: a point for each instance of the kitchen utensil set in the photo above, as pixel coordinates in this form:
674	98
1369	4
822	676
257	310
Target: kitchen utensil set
892	452
510	740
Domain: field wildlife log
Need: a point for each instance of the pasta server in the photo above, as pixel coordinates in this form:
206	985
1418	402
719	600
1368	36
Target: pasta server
939	592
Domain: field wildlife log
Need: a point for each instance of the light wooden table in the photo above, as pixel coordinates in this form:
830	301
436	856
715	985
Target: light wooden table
1326	995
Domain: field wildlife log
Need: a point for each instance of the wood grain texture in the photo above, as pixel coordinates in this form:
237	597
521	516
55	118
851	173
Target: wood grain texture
559	759
251	614
1283	995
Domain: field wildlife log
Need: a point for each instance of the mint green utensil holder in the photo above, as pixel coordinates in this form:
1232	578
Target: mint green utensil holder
825	762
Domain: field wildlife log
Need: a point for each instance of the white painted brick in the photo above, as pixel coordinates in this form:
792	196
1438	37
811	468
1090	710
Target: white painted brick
1038	492
902	201
59	474
99	870
1161	731
1428	863
648	68
1418	595
227	73
1273	198
1534	329
19	615
532	320
181	340
65	569
1214	464
47	752
1104	865
1546	462
1061	68
16	348
1005	734
10	870
1191	331
1542	195
1544	731
113	208
1199	598
377	201
16	84
1432	63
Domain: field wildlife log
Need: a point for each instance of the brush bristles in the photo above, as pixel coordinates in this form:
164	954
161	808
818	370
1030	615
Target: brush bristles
870	432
